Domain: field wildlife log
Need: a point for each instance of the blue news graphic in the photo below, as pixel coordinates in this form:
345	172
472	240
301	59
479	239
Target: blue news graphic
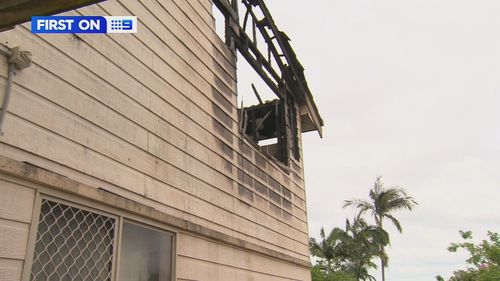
84	24
121	24
68	24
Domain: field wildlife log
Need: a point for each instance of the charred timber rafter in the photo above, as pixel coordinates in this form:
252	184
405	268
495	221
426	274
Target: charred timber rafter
280	69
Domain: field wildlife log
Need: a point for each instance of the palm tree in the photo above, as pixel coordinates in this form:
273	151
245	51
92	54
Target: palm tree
322	249
350	250
364	241
383	203
330	248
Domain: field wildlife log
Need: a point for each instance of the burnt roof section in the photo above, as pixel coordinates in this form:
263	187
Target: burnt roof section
279	68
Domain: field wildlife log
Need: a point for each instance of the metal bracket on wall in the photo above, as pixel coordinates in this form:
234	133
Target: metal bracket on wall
16	59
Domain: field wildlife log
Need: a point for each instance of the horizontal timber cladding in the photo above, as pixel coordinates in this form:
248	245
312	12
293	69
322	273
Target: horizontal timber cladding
16	210
145	201
153	117
206	4
27	179
10	269
198	248
222	262
14	239
153	147
210	205
226	149
200	10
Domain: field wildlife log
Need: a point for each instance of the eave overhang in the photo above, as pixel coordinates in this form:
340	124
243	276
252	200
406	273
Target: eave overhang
14	12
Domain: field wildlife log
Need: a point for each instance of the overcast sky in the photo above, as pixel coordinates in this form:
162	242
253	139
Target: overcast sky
410	90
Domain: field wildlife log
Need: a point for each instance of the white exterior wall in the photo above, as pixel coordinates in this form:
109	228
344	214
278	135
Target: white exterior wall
151	117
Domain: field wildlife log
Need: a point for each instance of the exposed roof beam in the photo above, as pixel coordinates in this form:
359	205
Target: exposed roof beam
288	77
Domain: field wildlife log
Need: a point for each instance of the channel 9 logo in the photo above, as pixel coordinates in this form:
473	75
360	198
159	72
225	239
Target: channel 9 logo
84	24
121	24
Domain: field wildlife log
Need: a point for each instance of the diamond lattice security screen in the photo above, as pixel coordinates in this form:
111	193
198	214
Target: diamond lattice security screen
72	244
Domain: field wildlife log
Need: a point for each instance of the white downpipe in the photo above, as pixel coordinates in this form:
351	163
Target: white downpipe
6	99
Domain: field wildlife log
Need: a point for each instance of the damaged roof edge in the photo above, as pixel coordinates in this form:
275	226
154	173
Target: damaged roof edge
280	69
314	114
14	12
297	69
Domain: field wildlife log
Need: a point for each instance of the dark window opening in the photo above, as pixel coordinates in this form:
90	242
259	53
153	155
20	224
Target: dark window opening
272	126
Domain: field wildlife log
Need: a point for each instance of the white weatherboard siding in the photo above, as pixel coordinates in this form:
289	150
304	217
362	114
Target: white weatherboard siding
151	117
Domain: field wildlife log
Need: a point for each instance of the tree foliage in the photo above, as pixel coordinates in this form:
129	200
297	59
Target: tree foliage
484	258
349	251
383	203
319	274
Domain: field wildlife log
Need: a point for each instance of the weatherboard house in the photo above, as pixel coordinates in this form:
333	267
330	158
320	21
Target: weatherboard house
126	157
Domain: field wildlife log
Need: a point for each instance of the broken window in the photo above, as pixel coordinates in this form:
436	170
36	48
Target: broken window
273	124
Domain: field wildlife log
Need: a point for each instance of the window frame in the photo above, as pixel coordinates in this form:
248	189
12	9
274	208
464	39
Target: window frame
119	215
287	131
145	226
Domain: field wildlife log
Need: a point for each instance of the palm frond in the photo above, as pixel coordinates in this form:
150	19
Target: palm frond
399	202
322	233
395	222
362	205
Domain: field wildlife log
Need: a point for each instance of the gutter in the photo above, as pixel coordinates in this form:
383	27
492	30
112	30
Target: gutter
17	59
